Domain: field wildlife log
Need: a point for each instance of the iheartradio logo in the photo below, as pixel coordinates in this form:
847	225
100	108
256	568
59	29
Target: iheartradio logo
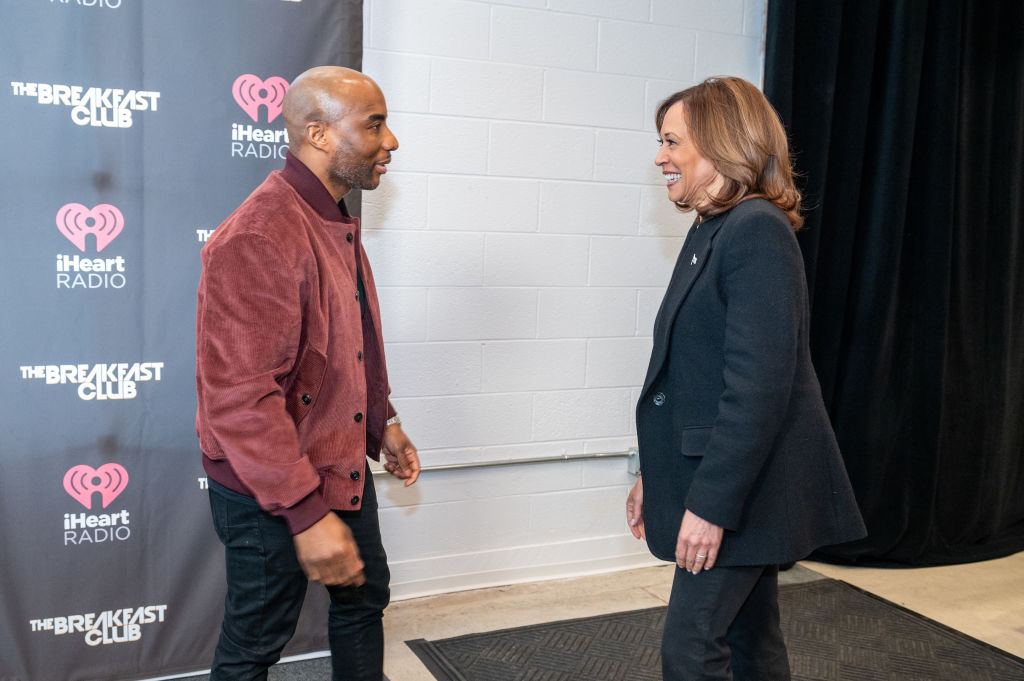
251	92
104	221
82	481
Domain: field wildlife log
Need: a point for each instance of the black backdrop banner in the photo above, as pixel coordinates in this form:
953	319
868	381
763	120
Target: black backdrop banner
907	120
131	129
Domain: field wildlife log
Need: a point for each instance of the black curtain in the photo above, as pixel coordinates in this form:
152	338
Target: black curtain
907	121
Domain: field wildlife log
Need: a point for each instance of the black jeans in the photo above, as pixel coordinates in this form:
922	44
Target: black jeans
723	624
266	587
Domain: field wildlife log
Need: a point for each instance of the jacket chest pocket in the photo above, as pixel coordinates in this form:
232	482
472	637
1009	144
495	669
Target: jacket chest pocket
309	380
694	440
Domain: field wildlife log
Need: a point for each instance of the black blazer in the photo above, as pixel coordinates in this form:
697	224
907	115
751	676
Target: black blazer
730	421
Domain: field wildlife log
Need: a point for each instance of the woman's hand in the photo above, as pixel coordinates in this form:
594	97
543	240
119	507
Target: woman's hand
635	510
698	543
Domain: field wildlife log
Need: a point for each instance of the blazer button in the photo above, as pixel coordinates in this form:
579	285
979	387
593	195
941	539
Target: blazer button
359	355
355	500
357	295
348	237
659	399
307	398
358	417
354	475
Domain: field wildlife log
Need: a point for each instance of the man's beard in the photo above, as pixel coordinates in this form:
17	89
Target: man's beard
350	173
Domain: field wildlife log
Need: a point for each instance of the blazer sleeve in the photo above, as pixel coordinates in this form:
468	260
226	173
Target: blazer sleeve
250	325
764	289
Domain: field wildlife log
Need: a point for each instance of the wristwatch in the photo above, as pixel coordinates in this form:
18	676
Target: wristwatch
393	421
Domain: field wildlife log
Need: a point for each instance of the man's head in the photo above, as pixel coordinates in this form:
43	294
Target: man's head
337	126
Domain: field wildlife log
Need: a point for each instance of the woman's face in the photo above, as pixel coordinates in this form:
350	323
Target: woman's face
689	176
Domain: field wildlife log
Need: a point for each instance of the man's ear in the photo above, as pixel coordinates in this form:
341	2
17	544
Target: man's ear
316	135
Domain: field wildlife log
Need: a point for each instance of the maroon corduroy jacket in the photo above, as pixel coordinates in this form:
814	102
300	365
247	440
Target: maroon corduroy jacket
290	400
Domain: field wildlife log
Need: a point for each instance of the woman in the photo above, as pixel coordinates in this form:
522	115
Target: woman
740	467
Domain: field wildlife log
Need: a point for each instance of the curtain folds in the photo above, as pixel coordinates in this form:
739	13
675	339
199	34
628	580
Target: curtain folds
907	122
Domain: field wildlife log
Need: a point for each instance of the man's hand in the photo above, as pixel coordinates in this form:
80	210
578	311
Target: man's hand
328	553
698	543
400	457
635	510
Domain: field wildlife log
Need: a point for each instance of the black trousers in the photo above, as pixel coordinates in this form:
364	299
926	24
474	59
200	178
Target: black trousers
723	625
266	588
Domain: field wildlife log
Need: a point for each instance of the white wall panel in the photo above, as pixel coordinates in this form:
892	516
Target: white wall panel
481	313
521	243
724	16
482	204
552	365
588	208
622	261
543	38
425	258
582	98
399	202
586	312
648	50
424	369
536	260
616	362
542	151
452	28
439	144
733	55
472	88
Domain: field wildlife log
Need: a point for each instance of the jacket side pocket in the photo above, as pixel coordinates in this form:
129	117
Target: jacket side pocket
308	380
694	440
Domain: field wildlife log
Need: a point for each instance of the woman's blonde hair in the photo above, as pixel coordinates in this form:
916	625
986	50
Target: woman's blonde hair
735	128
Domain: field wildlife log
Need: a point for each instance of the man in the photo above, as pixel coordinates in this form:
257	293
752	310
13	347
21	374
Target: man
293	390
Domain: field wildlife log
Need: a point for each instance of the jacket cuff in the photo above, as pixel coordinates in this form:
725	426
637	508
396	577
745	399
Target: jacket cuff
710	507
304	514
391	411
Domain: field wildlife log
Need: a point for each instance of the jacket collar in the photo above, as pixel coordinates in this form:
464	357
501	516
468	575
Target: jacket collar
313	191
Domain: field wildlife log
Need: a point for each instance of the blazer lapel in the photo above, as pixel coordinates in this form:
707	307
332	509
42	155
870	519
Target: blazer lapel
689	265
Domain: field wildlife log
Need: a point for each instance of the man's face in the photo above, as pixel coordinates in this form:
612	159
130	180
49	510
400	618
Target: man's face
362	141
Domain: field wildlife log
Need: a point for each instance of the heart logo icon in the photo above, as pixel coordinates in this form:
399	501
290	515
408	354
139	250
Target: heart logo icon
104	221
251	93
109	480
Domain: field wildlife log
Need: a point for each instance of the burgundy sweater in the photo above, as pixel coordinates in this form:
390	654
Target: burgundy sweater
290	370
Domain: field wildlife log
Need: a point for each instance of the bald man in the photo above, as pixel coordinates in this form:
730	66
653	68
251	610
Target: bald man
293	389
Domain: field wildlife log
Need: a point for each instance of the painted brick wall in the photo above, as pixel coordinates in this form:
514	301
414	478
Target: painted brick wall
521	242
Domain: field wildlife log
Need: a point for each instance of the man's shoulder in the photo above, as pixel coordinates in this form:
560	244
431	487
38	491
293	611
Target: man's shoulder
269	211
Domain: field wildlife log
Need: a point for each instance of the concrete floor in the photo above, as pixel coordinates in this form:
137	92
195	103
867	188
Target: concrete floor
984	600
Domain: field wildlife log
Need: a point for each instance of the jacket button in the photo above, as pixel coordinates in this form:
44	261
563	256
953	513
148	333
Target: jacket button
659	399
355	500
357	295
307	398
348	237
359	355
358	417
354	475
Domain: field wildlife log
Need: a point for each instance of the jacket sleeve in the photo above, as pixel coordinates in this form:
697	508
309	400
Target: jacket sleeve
250	324
763	286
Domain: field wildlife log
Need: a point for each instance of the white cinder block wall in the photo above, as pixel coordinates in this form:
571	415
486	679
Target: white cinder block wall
521	242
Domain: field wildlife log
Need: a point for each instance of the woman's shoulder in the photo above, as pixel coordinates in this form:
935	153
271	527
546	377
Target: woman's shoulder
758	216
757	208
758	229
